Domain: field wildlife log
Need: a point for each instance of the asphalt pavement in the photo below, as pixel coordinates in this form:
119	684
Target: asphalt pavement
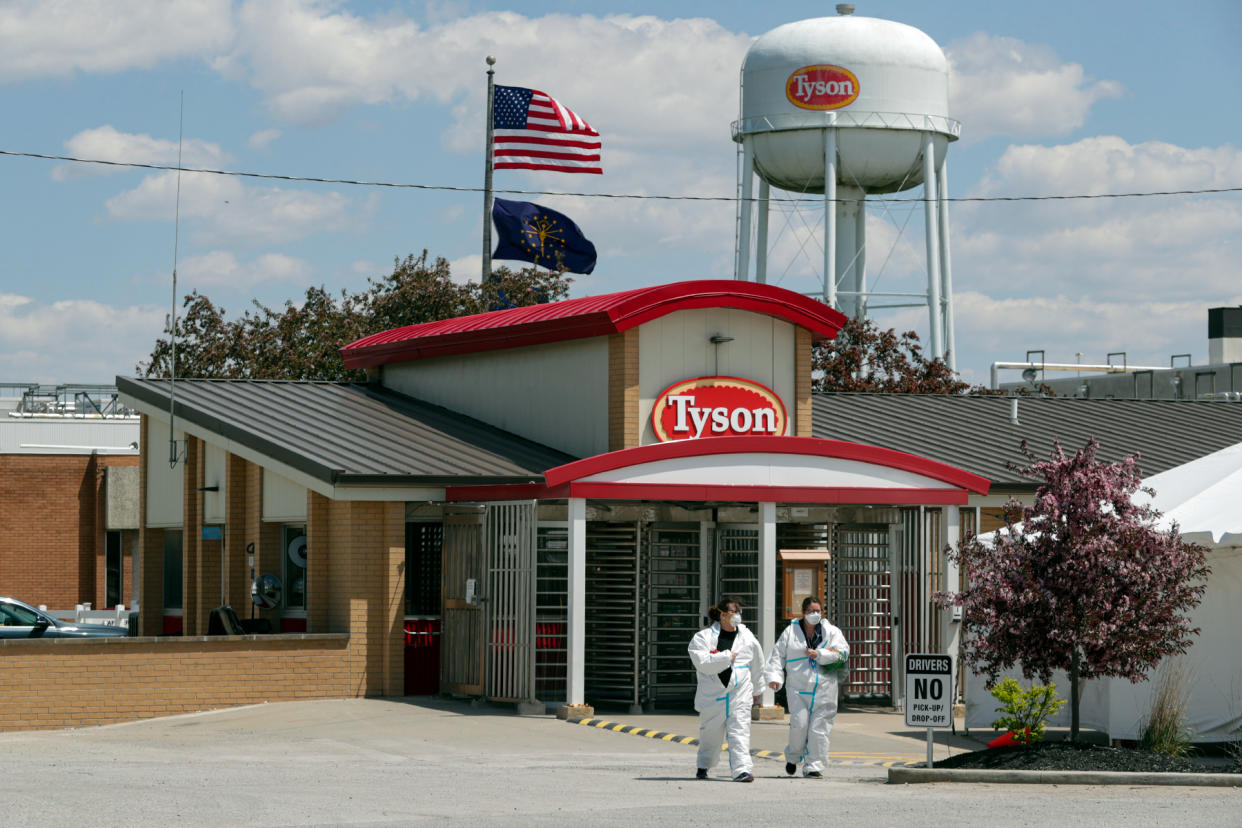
433	761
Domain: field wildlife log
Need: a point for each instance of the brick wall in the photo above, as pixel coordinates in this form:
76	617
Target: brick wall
75	683
51	527
802	426
623	426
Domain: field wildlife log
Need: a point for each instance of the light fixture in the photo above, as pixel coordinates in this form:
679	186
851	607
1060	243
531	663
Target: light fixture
1029	374
720	339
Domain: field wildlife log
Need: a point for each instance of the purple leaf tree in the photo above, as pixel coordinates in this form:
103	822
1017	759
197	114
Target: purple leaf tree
1086	583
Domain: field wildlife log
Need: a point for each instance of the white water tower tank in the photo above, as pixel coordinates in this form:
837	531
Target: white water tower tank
882	84
870	99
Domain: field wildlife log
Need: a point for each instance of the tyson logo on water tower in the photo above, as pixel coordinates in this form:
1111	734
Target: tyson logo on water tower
822	86
717	407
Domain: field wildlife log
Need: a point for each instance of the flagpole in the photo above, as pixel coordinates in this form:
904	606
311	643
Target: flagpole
487	173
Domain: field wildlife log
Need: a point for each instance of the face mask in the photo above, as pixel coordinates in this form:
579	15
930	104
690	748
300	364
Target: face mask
735	619
813	618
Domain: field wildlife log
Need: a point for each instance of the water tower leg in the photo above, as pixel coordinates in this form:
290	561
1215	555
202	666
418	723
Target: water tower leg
830	217
932	232
860	257
761	243
946	265
743	230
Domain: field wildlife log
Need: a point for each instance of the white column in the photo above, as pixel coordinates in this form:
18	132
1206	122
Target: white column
932	232
952	630
761	244
830	217
742	270
767	586
575	692
946	268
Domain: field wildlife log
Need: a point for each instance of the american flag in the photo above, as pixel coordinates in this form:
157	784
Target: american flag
532	131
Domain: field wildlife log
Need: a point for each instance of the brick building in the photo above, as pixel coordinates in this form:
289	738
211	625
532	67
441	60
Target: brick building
68	496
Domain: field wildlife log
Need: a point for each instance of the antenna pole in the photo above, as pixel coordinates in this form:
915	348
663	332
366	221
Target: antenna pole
172	369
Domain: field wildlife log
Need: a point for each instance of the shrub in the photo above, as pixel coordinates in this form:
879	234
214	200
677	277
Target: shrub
1026	710
1165	729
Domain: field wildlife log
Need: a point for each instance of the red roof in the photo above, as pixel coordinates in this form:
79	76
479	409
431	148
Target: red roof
586	317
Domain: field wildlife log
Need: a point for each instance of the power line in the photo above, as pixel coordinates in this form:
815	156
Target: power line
631	196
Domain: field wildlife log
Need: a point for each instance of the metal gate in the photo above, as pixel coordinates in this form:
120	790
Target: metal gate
671	611
509	544
737	570
461	574
551	610
862	606
612	652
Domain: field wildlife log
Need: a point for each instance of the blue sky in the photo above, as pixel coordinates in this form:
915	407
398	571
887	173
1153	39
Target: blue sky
1054	98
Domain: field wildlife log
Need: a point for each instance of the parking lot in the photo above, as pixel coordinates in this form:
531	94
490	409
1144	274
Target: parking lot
419	760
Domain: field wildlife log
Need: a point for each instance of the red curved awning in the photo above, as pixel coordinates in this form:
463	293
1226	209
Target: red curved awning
587	317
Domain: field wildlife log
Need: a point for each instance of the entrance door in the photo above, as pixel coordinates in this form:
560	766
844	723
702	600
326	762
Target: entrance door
461	637
861	593
509	544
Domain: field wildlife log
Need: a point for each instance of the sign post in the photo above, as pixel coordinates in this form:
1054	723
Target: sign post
929	693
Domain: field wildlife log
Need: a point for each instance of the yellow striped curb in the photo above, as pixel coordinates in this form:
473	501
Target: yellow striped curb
868	759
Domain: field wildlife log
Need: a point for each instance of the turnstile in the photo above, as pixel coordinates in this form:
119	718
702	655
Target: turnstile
861	605
612	659
671	612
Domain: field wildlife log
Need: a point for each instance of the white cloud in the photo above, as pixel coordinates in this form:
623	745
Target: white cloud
1157	248
467	269
106	143
1004	86
34	346
262	139
55	39
220	268
221	208
1065	324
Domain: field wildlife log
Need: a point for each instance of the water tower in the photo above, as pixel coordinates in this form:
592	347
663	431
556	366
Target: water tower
847	106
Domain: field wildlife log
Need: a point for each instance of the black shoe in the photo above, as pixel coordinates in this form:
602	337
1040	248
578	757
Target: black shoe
744	777
701	773
814	775
790	768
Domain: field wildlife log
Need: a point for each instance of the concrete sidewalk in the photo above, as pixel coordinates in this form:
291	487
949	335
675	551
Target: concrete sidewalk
861	735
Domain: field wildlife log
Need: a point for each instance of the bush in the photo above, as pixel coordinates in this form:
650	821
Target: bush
1165	730
1026	710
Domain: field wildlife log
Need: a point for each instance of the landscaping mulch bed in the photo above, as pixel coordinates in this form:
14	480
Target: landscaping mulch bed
1070	756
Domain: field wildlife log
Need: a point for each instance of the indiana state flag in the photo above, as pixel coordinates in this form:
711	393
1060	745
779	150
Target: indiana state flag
535	234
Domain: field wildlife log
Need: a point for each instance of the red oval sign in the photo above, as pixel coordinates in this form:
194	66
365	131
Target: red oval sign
717	407
822	87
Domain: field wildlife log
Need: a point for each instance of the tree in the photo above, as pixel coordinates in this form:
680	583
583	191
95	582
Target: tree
301	341
1086	583
864	358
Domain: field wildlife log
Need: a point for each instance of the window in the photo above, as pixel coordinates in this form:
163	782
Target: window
422	568
112	568
172	569
293	542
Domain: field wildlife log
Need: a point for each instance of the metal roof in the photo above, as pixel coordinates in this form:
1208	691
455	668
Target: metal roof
344	433
585	317
975	433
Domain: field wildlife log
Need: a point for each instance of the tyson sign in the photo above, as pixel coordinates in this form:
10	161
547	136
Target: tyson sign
822	87
717	407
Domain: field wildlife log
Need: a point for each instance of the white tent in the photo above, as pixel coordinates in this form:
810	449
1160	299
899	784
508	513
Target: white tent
1204	498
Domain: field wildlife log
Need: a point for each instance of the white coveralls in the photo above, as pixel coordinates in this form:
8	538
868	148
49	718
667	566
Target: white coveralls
810	689
724	712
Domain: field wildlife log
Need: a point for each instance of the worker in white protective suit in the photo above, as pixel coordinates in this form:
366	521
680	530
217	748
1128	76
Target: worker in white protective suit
729	663
808	659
